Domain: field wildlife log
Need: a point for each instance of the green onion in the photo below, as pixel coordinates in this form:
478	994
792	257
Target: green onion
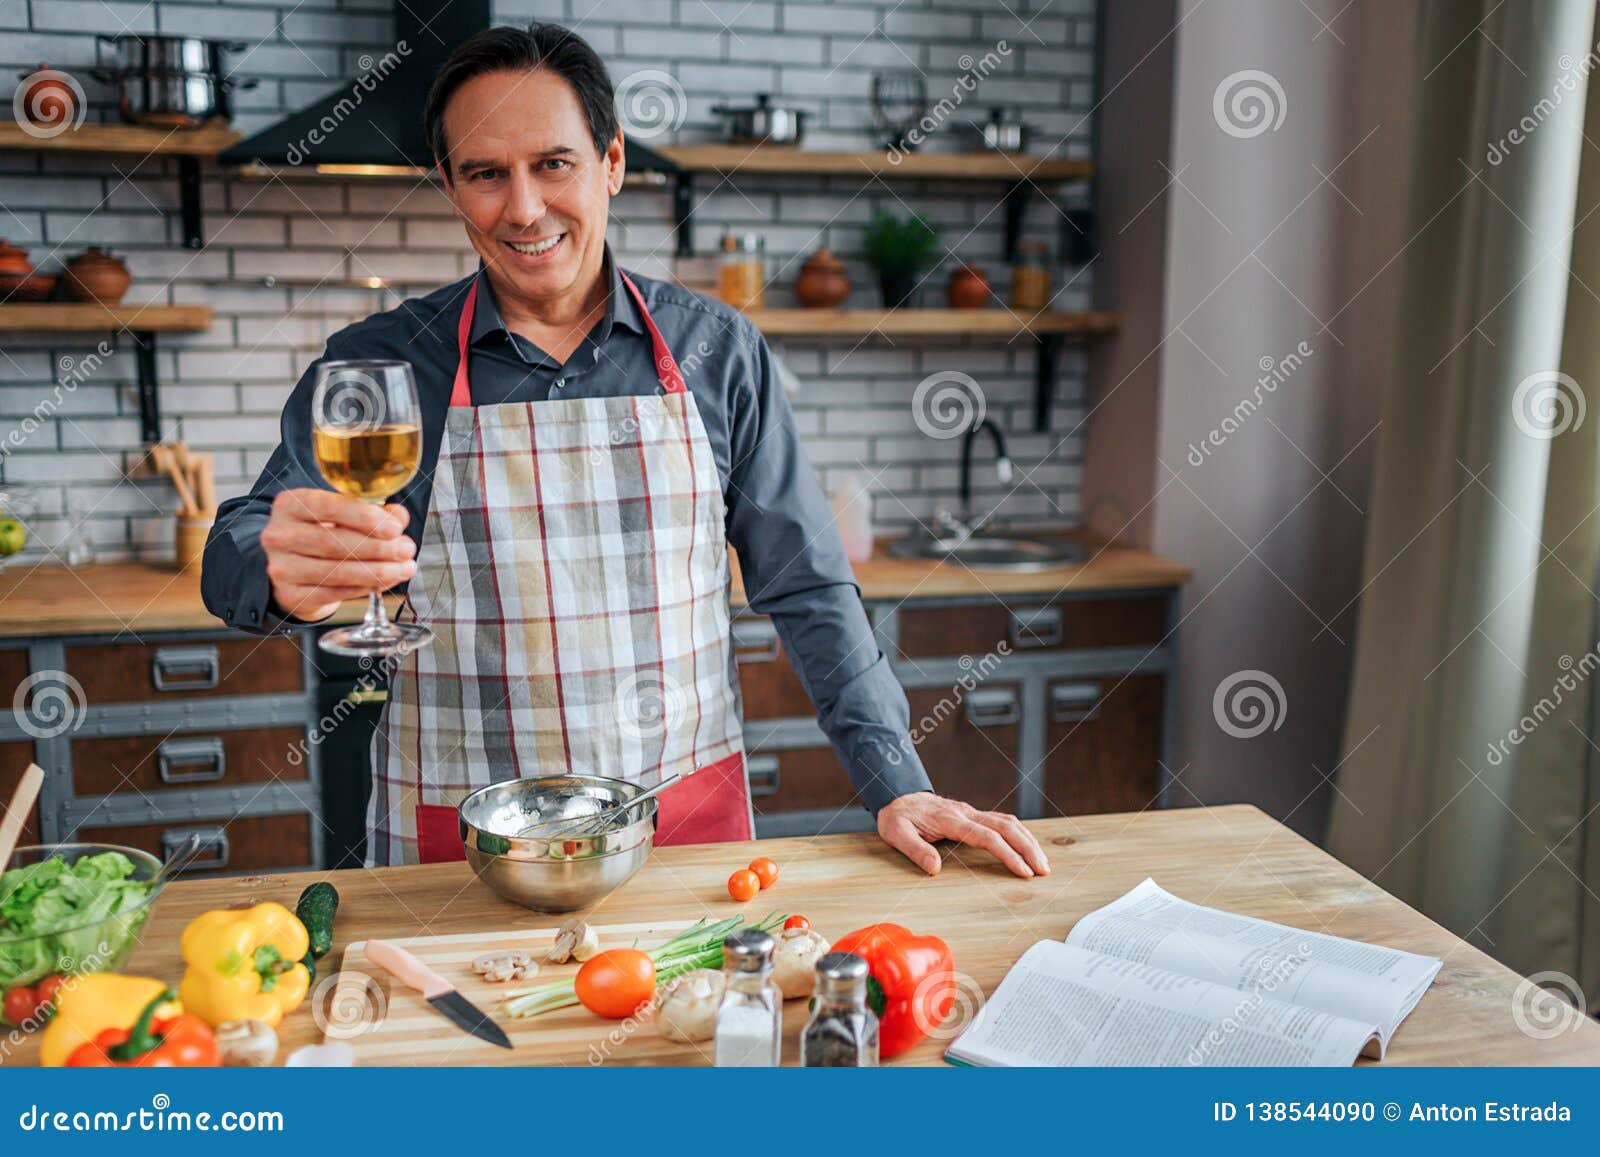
697	946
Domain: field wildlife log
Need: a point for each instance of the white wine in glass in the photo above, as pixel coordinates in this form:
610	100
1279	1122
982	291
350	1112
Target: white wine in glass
367	436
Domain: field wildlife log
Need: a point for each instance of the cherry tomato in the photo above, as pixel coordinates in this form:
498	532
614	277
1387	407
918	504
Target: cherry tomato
766	871
743	884
796	922
45	992
616	982
19	1003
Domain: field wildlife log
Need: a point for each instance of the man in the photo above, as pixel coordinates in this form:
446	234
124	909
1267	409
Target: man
565	538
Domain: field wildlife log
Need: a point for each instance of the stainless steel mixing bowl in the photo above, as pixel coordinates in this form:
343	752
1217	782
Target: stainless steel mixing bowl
545	870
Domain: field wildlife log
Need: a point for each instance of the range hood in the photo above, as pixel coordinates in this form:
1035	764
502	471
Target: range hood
372	125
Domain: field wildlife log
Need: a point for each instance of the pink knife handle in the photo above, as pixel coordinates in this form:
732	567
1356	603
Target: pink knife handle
407	969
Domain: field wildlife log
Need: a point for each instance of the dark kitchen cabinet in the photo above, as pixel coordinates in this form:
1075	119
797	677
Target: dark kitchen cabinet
1103	744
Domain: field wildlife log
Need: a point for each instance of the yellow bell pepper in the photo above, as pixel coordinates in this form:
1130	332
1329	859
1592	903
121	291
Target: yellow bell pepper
244	964
89	1004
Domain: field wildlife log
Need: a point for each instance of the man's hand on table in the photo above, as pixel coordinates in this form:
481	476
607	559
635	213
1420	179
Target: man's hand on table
323	548
912	822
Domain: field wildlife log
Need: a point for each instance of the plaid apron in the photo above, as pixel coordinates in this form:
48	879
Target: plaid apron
574	572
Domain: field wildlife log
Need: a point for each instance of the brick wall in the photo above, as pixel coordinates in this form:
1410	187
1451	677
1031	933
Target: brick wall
223	389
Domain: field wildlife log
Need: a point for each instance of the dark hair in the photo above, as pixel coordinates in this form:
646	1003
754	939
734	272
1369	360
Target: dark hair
508	48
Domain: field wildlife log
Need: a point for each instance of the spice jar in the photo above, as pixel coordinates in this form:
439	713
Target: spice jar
843	1031
1030	278
741	277
750	1017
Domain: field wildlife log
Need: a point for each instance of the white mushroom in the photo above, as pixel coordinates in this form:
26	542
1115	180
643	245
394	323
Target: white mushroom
499	967
688	1009
247	1043
794	961
575	940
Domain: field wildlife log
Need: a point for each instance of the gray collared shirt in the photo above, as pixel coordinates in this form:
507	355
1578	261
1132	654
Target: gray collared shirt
791	559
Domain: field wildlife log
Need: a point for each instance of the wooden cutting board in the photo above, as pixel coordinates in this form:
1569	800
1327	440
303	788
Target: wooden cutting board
389	1024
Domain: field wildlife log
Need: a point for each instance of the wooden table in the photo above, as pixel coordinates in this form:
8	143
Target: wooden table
1231	857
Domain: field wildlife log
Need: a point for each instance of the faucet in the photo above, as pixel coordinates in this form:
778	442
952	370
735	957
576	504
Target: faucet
1002	466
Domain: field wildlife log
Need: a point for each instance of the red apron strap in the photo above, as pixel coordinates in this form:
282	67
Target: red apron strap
461	392
666	364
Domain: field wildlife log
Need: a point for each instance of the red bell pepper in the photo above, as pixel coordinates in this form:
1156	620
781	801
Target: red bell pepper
182	1041
911	983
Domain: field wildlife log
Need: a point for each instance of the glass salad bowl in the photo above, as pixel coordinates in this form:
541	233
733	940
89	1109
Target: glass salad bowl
72	908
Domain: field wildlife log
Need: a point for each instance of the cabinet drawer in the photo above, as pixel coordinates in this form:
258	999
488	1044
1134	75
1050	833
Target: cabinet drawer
130	672
13	670
1065	625
766	681
146	763
1103	744
800	779
252	843
969	741
14	760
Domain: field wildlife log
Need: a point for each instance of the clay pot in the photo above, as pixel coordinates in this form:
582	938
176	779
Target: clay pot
14	261
47	102
969	287
95	275
822	283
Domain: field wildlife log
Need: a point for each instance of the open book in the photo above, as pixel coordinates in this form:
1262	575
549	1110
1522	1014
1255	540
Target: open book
1154	980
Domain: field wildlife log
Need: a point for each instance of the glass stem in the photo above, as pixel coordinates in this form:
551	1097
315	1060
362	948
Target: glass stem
376	619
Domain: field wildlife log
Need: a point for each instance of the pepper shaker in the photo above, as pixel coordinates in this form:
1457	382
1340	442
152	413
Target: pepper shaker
842	1031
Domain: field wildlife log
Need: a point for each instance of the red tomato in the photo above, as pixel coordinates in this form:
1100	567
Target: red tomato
19	1003
796	922
616	982
766	871
45	992
743	884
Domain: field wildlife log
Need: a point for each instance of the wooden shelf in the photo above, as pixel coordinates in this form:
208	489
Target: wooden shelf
984	166
88	317
142	140
992	323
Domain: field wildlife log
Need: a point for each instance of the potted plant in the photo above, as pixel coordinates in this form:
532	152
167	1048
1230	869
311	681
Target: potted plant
899	249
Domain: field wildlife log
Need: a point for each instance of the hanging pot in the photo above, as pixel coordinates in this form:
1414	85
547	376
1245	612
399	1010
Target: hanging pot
171	81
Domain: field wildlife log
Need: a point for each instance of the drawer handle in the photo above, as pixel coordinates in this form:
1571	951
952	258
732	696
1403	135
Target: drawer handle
1074	702
754	641
991	706
214	838
186	668
364	695
764	774
1035	627
191	760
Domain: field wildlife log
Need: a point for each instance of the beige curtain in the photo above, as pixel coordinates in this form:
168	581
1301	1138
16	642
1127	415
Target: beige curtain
1467	786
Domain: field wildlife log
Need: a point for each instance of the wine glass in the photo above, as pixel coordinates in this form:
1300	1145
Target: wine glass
368	440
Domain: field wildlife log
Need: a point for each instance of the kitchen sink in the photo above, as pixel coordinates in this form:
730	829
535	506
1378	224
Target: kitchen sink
989	551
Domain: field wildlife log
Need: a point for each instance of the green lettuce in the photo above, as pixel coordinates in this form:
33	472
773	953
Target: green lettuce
56	916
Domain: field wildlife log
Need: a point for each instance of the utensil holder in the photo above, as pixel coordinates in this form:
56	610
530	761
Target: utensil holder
190	541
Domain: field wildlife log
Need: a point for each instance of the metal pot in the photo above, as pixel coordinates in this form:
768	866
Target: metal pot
1002	134
766	123
171	81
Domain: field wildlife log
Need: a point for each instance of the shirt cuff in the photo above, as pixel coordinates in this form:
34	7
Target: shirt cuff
883	772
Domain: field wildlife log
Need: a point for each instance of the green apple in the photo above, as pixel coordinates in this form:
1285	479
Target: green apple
13	536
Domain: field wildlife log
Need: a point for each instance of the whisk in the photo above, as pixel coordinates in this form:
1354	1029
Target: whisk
595	823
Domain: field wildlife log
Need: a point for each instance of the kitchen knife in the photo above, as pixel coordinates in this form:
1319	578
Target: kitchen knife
436	990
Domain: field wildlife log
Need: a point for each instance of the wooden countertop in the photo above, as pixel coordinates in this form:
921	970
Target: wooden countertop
110	598
1234	857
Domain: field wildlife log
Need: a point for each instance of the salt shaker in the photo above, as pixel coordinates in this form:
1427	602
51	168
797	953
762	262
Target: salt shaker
750	1017
842	1031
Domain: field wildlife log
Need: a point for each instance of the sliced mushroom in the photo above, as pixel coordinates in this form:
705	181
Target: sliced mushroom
499	967
575	940
248	1044
688	1010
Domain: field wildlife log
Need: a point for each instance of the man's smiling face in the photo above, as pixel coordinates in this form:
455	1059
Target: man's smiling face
525	177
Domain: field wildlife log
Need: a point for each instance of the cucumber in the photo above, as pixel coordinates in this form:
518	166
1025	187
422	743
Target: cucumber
316	909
